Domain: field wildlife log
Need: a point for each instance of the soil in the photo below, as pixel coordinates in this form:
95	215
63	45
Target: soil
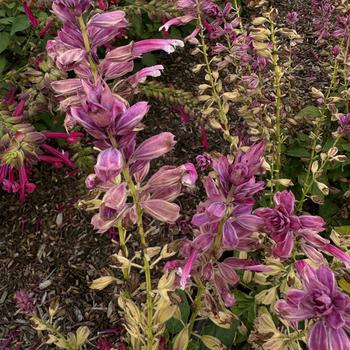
49	248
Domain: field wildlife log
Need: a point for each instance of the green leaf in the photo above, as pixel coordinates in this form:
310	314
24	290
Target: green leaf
19	24
309	111
3	62
328	209
245	308
7	20
149	59
299	152
4	41
2	13
175	33
226	336
174	326
342	230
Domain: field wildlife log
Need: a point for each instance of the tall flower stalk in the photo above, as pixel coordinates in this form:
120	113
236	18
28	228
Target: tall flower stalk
121	166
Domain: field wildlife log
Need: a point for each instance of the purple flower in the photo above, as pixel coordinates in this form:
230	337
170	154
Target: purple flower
344	124
320	300
204	161
74	7
282	223
109	165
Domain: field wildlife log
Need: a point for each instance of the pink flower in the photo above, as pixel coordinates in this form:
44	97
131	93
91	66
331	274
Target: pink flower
19	108
46	29
292	18
154	147
109	165
344	124
204	161
282	223
322	301
32	19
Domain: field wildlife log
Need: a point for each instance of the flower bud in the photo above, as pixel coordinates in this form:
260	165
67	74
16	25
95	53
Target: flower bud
109	165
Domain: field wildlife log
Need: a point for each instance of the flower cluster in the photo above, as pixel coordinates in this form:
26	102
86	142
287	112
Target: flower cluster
286	228
226	223
217	21
321	301
21	146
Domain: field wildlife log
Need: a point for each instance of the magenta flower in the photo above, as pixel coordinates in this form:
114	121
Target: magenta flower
154	147
284	227
282	223
137	49
109	165
34	22
74	7
204	161
321	301
344	124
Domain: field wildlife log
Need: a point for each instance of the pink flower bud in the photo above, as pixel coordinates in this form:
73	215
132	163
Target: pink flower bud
154	147
109	165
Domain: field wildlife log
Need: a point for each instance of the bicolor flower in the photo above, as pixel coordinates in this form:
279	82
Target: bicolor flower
322	302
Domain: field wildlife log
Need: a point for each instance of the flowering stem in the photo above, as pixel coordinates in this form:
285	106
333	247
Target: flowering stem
238	11
212	80
87	46
278	76
345	72
122	235
308	182
146	265
320	170
197	306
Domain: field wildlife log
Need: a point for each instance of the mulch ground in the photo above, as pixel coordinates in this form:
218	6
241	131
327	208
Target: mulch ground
49	248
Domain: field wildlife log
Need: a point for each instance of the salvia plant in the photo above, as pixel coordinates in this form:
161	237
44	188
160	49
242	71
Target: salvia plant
258	265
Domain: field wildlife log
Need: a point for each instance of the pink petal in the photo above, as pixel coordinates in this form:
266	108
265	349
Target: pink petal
162	210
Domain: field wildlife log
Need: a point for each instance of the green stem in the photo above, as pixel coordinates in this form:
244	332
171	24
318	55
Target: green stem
238	11
319	124
87	46
122	236
345	72
146	265
197	307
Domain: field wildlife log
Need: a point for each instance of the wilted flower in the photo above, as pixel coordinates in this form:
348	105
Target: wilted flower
321	301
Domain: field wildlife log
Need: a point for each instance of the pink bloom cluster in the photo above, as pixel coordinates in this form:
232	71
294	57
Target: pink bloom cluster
22	146
286	229
218	22
322	12
226	222
105	115
320	300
